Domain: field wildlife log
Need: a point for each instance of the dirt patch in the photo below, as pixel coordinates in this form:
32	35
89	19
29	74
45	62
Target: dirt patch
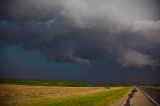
130	96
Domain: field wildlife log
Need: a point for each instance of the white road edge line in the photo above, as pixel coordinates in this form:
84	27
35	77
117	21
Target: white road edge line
149	97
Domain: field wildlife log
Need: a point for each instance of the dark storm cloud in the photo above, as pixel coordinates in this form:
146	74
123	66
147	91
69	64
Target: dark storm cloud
80	31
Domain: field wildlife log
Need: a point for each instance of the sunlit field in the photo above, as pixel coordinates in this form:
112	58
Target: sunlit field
25	95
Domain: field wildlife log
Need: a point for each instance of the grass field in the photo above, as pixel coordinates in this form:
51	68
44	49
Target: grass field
25	95
151	86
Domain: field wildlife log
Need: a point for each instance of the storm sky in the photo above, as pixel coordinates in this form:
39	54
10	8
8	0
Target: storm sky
81	40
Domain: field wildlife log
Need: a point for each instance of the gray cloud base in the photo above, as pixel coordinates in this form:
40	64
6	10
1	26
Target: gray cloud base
77	31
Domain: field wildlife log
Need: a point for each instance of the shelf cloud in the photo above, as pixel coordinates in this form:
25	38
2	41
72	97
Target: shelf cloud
80	31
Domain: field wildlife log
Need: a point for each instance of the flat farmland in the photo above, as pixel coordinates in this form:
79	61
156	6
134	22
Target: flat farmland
26	95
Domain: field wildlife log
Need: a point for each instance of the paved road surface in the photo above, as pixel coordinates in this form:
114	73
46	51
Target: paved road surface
153	93
137	98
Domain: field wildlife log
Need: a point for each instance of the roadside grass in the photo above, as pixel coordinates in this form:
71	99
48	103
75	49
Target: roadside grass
151	86
104	97
24	95
14	92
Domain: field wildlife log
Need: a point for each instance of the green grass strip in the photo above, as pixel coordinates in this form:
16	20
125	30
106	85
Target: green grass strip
104	98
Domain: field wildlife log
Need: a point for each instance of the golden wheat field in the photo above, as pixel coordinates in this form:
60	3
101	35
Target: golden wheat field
11	95
26	91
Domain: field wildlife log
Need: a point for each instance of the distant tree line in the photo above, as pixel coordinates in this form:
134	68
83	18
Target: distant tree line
57	83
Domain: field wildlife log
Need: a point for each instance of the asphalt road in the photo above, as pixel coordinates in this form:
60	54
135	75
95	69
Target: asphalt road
154	93
139	99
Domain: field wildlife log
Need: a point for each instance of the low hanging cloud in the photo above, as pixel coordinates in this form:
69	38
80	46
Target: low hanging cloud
80	31
137	59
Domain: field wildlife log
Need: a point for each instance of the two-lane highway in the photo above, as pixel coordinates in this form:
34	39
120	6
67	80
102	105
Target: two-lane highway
140	99
143	96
